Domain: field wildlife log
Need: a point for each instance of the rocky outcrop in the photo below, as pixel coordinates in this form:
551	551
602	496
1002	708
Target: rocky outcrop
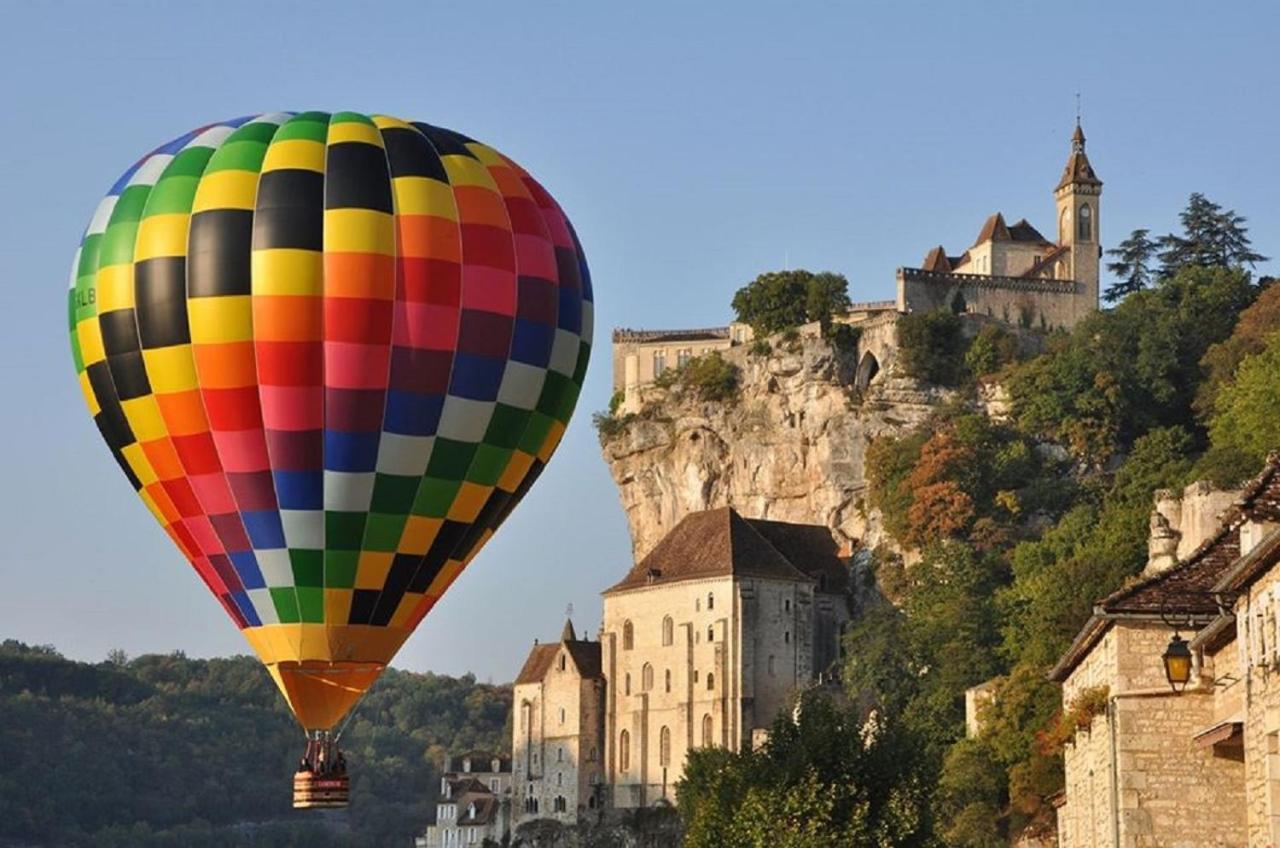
791	448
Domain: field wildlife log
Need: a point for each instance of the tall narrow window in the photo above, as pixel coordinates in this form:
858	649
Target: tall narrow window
664	747
706	731
1084	225
667	679
711	633
624	750
646	678
668	631
711	601
711	681
659	362
628	636
627	688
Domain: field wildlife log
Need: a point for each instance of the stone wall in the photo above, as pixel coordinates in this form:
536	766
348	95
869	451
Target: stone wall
739	650
557	741
1184	520
1136	775
1028	303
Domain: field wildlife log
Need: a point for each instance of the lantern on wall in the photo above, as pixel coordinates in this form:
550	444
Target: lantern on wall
1177	663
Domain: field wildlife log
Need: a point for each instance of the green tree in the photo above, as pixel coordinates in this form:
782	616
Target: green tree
1211	238
1132	265
781	300
1245	419
931	347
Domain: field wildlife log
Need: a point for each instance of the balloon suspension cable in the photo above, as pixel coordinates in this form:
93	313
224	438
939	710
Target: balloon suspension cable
350	715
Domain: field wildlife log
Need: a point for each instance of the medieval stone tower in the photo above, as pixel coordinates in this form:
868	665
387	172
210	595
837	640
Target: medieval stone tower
1077	195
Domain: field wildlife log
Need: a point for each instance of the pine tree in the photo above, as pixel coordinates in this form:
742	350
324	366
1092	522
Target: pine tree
1132	266
1211	238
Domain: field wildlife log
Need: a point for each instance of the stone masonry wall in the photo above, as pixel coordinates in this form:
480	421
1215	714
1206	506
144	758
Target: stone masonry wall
1137	773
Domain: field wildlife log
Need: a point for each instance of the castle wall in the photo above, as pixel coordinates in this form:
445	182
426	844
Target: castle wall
1035	304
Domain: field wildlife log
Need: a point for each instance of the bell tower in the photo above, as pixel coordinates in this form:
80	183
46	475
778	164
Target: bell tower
1077	196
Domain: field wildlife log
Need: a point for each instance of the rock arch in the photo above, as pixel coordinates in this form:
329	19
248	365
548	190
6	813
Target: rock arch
868	368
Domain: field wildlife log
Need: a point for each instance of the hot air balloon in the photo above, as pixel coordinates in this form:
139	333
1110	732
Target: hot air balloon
331	353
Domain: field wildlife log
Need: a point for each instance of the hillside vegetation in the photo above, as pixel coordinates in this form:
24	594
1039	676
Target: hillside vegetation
1016	526
163	750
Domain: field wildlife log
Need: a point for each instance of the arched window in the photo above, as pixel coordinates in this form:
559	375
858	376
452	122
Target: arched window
646	678
627	682
706	730
624	750
711	633
562	663
711	680
711	601
664	747
559	755
1084	227
667	679
628	636
1064	226
668	631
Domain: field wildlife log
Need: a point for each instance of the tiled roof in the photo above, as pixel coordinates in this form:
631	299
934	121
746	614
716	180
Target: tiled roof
1185	589
993	229
936	260
808	547
713	543
584	654
481	761
1045	261
1023	231
1078	170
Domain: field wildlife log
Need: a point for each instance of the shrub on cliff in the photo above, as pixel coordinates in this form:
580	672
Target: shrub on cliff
931	347
780	300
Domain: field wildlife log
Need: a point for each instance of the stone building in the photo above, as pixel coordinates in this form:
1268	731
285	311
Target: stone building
1157	767
704	641
1011	273
474	803
558	729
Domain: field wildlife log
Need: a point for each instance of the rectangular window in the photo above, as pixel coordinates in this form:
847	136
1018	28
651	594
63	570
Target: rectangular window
659	362
683	356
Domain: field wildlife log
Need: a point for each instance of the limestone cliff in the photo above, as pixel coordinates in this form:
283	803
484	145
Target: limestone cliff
791	447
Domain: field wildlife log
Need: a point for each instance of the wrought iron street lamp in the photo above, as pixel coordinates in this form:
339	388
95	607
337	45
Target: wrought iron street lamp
1177	663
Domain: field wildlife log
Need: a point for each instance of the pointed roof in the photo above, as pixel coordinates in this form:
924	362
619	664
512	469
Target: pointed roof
713	543
1024	232
936	260
582	653
1078	170
994	229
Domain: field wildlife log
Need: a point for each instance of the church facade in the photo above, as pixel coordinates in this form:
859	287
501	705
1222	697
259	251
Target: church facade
703	643
1011	273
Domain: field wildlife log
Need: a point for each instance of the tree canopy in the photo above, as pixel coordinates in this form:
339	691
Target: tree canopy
781	300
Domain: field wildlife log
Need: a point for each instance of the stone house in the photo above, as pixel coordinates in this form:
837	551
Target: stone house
1159	767
474	803
704	642
1011	273
558	730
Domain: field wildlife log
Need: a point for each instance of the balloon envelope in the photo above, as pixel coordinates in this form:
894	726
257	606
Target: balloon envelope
330	352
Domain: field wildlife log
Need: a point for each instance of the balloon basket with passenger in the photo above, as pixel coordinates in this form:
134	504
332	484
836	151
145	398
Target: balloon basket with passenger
321	781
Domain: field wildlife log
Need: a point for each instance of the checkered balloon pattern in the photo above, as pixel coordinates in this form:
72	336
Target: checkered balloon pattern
331	352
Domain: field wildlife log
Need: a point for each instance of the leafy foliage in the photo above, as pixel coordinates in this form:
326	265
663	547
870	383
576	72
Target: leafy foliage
931	347
1245	420
832	778
992	349
711	377
164	750
779	300
1135	368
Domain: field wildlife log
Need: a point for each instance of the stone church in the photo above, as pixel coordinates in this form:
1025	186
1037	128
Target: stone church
1011	273
703	643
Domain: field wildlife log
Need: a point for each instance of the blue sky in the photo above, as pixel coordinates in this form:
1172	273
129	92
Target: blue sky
694	146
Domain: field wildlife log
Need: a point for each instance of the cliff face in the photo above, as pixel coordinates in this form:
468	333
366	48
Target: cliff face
791	448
